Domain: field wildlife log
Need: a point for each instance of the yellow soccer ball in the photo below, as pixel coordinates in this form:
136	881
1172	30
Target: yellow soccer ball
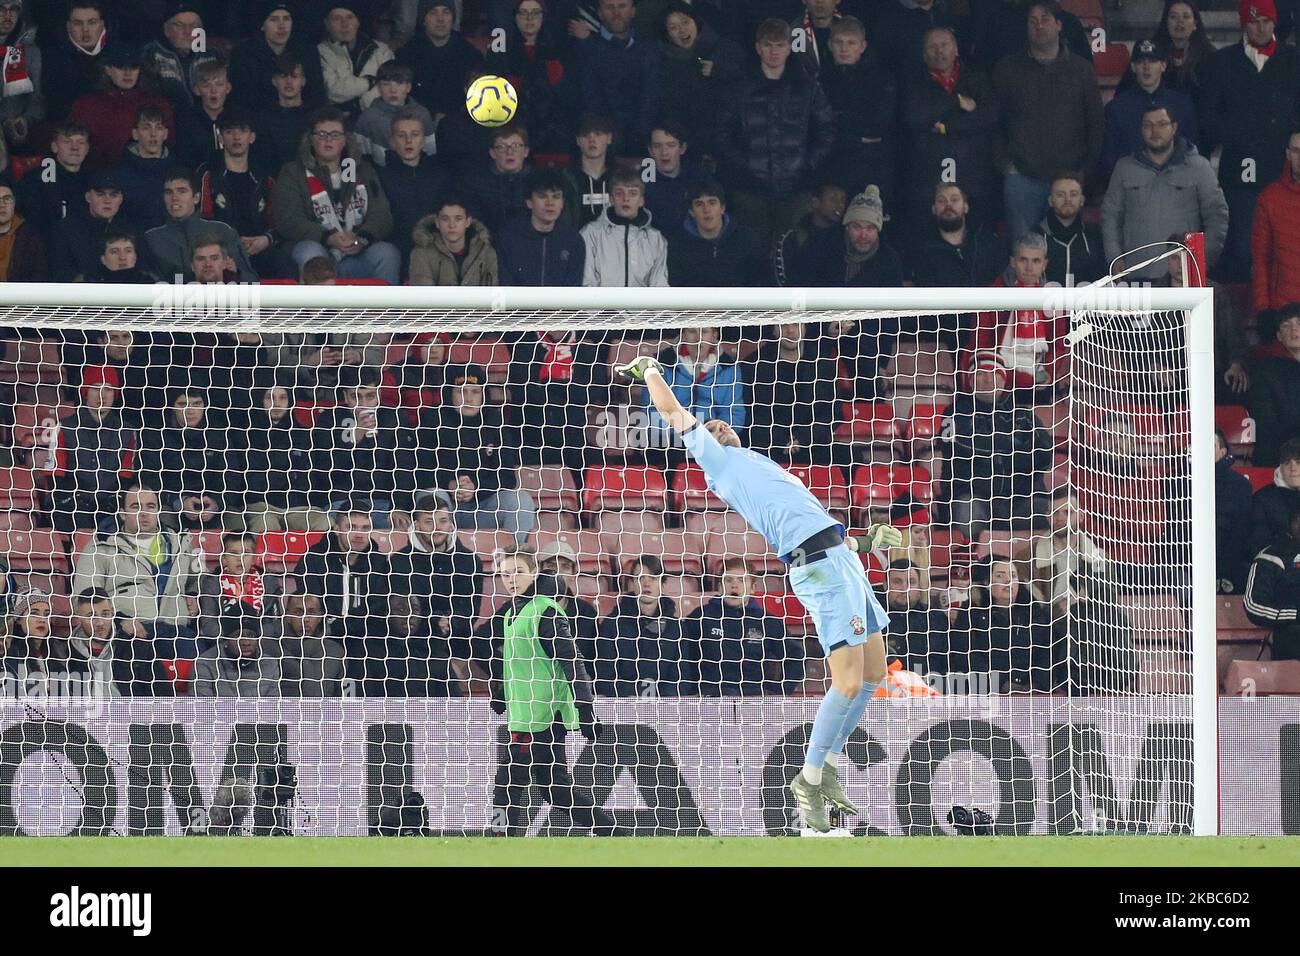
491	101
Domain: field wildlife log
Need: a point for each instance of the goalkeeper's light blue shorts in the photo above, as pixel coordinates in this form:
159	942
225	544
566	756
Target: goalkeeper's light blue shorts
839	598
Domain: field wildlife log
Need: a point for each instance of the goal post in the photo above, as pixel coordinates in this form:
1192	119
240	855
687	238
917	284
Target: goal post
1141	736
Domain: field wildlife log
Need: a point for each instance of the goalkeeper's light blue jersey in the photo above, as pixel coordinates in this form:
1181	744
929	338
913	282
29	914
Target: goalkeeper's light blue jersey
774	502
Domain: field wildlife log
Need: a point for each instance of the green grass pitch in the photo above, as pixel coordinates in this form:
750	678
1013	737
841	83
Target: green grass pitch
651	851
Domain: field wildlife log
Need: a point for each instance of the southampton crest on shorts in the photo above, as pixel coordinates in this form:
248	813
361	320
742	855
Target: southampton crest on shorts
857	625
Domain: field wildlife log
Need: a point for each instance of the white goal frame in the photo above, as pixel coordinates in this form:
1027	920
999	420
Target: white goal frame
297	308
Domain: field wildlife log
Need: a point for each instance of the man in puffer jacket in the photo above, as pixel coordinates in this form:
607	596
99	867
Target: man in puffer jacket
452	249
623	248
239	665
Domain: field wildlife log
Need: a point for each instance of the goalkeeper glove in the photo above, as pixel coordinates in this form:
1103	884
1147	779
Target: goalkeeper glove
879	536
587	723
637	368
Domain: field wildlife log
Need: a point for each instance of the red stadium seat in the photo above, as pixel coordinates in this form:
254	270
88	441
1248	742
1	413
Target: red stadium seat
926	421
486	543
1238	427
1002	544
733	538
865	422
788	608
690	493
1163	670
281	551
551	487
208	544
1262	678
611	524
685	593
825	481
682	552
1259	477
1089	12
17	487
585	544
306	413
1155	619
625	486
873	486
558	521
492	356
37	550
20	166
1110	63
31	361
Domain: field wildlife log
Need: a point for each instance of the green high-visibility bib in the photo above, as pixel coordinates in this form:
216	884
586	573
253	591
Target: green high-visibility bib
537	691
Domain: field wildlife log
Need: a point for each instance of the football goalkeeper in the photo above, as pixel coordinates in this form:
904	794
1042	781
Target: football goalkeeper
825	574
544	690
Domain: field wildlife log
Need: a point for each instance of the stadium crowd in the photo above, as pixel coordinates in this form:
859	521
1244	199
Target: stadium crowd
813	143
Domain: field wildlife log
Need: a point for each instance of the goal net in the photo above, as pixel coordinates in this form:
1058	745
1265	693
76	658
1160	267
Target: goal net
309	562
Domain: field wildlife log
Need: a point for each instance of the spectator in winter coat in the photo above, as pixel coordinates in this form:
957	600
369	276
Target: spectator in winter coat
72	56
620	75
414	181
324	213
172	61
100	651
119	262
472	460
639	651
553	378
1273	505
1051	117
538	62
1074	248
238	586
792	387
860	259
623	247
440	58
109	114
918	633
1065	551
587	183
734	648
150	572
276	452
77	241
144	168
1274	398
311	664
1166	187
496	193
349	575
791	252
1232	513
172	245
1251	94
440	571
58	187
713	250
995	454
198	133
239	664
1004	633
22	249
865	126
541	248
1125	112
22	103
190	461
253	61
452	249
350	59
697	68
957	251
1029	343
950	118
899	32
776	133
1273	592
1275	238
360	449
709	383
281	124
92	450
674	177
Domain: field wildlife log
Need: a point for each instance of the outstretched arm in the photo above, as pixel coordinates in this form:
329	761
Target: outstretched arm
648	371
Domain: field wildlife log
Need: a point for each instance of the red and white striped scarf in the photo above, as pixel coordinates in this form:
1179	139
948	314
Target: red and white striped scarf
337	217
17	80
249	589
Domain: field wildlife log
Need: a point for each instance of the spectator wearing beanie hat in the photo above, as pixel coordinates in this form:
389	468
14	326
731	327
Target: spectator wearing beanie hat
172	60
1249	109
440	58
252	62
93	451
995	453
350	59
861	260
